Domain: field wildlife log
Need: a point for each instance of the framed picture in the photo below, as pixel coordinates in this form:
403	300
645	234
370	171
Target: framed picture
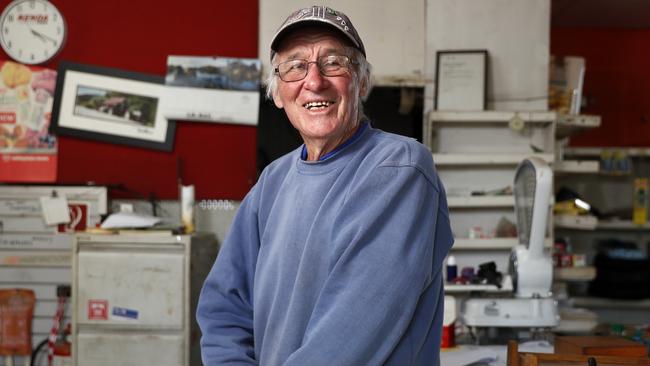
461	80
110	105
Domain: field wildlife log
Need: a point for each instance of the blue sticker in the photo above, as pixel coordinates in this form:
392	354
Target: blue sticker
126	313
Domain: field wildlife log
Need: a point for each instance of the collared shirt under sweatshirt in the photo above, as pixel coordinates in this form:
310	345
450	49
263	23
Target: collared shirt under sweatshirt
335	262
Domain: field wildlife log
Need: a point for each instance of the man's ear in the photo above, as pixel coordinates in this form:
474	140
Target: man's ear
277	101
363	89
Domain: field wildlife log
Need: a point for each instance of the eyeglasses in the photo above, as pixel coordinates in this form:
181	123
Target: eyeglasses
295	70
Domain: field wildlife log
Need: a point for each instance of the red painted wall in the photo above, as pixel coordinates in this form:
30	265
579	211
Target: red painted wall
138	35
617	82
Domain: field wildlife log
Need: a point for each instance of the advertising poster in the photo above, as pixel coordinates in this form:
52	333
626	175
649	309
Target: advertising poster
28	153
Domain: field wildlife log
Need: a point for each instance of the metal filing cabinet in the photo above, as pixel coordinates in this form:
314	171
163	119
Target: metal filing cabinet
135	298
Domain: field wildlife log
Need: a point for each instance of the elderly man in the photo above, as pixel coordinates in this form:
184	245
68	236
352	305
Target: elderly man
334	257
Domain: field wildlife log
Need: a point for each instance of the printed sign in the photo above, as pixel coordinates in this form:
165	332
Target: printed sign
78	219
97	309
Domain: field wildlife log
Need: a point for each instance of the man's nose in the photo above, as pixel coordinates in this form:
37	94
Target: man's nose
314	79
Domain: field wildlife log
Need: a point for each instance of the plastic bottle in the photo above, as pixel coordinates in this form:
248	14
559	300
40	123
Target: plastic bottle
452	268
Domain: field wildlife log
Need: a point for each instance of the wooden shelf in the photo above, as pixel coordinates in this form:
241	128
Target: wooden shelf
486	159
491	116
574	274
480	201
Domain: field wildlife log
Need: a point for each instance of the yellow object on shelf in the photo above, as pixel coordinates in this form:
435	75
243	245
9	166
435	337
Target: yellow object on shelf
640	204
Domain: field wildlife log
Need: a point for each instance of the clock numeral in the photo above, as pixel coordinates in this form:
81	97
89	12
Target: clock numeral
55	16
32	4
9	44
10	18
6	30
31	57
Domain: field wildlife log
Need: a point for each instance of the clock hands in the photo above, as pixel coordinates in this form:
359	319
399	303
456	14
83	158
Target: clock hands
42	36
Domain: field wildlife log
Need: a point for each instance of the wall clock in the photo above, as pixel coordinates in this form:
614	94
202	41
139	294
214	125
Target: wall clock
32	31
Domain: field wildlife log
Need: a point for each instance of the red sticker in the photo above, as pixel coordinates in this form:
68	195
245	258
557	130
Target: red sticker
78	218
97	309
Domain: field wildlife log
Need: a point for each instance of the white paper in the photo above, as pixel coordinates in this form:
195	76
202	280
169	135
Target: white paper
212	89
461	82
129	220
55	210
206	105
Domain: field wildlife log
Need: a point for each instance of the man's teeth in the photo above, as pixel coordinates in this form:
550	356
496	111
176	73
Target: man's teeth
321	104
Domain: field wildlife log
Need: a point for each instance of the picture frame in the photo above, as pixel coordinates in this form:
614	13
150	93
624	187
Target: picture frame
111	105
461	80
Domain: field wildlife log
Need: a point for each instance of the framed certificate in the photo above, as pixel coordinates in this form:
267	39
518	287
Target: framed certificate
461	80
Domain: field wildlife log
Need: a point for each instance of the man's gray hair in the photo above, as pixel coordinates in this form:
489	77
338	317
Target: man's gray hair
362	73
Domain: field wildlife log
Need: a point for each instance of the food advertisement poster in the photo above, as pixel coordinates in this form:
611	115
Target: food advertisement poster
28	153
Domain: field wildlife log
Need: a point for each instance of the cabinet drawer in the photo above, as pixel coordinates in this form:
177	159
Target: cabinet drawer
130	288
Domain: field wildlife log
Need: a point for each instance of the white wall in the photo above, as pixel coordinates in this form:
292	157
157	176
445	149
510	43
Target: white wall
516	35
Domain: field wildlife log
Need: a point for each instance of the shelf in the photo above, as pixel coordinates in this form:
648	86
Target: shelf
35	259
599	302
491	116
490	243
591	223
574	274
621	225
596	151
582	222
506	286
480	201
486	159
568	125
577	166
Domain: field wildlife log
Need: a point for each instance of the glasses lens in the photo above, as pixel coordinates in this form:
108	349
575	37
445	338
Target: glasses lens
293	70
333	65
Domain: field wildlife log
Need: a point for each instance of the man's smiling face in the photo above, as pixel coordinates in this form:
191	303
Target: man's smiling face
321	108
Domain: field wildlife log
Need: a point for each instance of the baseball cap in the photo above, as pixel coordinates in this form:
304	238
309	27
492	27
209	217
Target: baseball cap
318	15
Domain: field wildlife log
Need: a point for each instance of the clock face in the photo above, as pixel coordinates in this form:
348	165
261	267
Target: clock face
32	31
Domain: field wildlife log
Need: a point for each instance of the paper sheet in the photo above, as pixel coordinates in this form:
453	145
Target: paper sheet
129	220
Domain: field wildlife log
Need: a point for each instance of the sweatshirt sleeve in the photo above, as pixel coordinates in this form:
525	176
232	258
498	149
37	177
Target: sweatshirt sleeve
225	308
385	240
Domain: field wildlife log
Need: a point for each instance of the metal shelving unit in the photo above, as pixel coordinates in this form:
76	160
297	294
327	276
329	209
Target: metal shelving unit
476	154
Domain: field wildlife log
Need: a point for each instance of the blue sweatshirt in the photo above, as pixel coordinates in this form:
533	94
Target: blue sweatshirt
335	262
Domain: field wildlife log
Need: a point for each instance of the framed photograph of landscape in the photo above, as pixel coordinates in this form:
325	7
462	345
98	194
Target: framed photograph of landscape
461	80
111	105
